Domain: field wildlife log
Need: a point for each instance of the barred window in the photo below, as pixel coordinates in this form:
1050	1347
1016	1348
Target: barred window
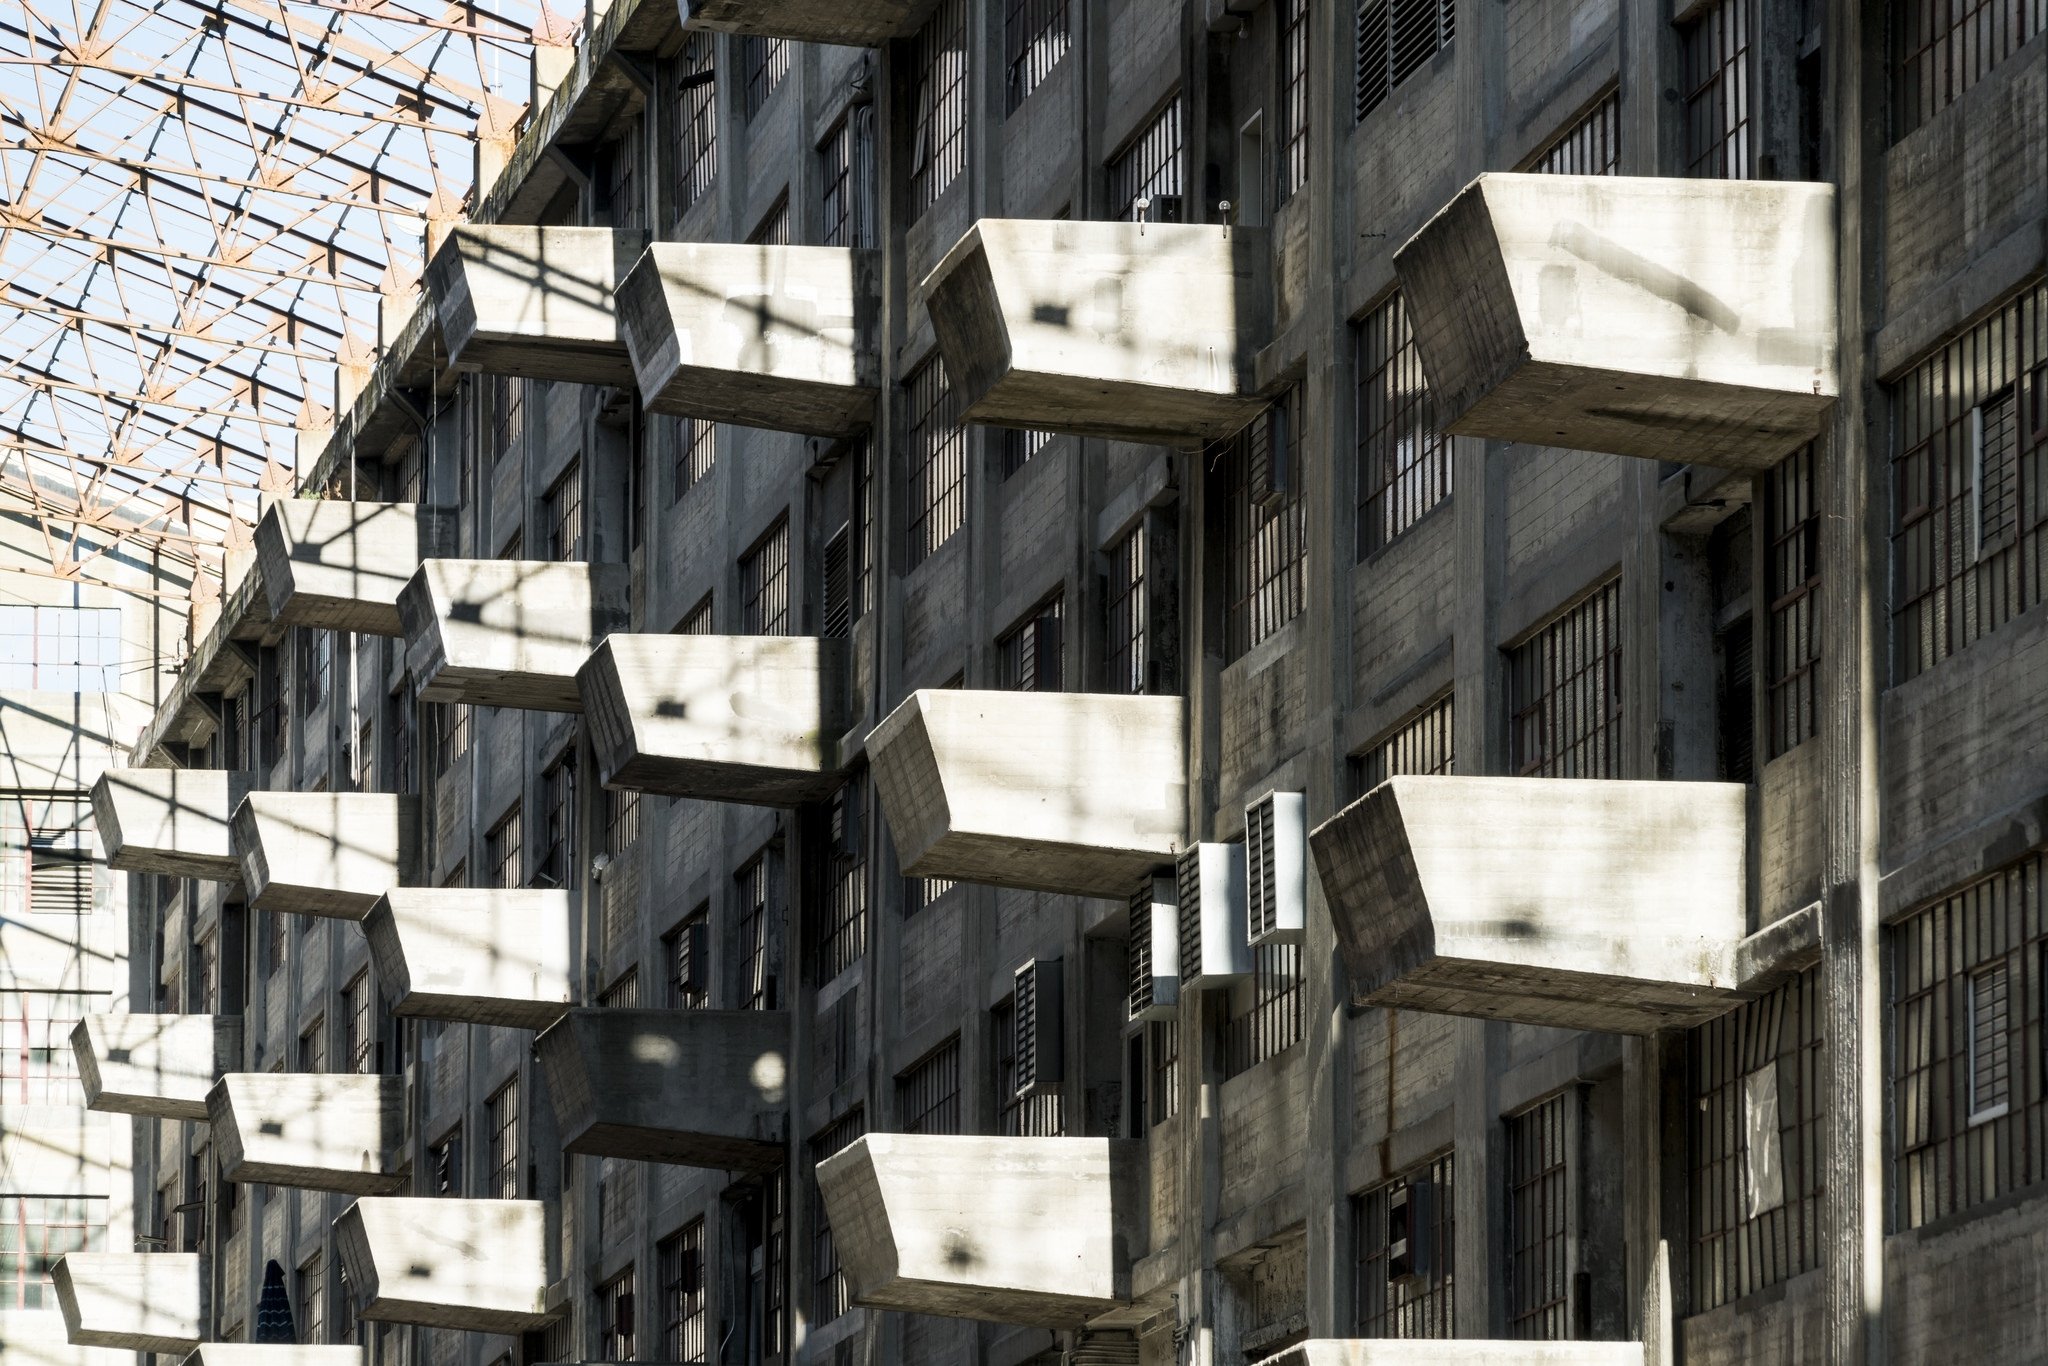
444	1164
830	1294
508	414
612	1327
1035	37
563	509
1539	1223
623	993
1940	48
864	528
697	621
1145	183
1272	1021
1404	462
1564	691
37	1230
1043	1115
1397	38
1970	522
37	1065
928	1095
843	877
693	452
683	951
764	584
619	182
1162	1045
1422	745
920	892
938	141
312	1297
1719	80
501	1121
451	735
1267	570
1792	587
937	459
680	1259
1295	113
1970	1118
847	160
1592	146
1755	1143
316	661
557	866
1029	655
501	849
312	1056
756	980
359	1035
773	229
1128	618
1020	444
200	993
836	590
1403	1268
621	820
766	62
696	121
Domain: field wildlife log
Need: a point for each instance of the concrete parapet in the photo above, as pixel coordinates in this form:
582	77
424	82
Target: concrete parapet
326	853
473	1265
537	302
339	566
1427	1352
154	1066
478	955
328	1131
35	1337
172	822
509	633
133	1301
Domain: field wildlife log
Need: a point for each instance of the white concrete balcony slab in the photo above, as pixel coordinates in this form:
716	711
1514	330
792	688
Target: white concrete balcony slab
1058	792
274	1354
324	1131
692	1088
326	853
338	566
849	23
509	633
1686	320
1036	1231
154	1066
537	302
132	1301
753	719
1448	1352
1589	904
473	1265
477	955
764	336
35	1337
173	822
1136	331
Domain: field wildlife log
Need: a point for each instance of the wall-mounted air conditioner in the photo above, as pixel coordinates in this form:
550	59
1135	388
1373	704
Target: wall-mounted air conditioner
1213	950
1154	955
1276	868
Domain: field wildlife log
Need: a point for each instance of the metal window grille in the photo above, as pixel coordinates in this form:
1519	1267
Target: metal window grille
696	122
928	1095
766	62
619	163
621	820
501	1122
623	993
514	547
1029	655
773	229
558	824
680	1259
316	660
451	735
697	621
1162	1044
37	1230
1020	444
920	892
843	937
618	1196
1422	745
199	978
764	584
564	511
313	1046
1592	146
1404	1285
864	527
836	590
1397	38
830	1294
1564	690
508	414
1539	1222
312	1317
1295	114
37	1066
1940	48
937	463
1274	1020
1957	455
1127	618
1792	587
1268	547
1145	180
757	985
364	758
1404	462
502	849
1969	1122
847	160
1742	1242
444	1164
938	145
693	452
1036	34
1043	1115
359	1035
682	950
1719	80
612	1335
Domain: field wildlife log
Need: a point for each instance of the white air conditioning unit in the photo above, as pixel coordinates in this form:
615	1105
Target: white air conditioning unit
1276	868
1213	949
1154	955
1039	1039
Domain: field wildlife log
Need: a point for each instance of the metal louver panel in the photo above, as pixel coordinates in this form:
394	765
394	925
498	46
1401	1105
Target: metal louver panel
1154	950
838	585
1213	949
1276	868
1036	1018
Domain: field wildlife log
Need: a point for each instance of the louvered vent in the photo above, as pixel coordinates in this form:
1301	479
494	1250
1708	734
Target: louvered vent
1212	950
838	585
1188	881
1276	868
1154	950
1036	1018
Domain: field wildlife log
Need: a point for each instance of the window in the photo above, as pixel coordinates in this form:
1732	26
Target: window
697	621
693	443
451	735
1403	1269
928	1095
312	1297
920	892
1422	745
1035	36
1970	523
501	849
1040	1116
1538	1263
1404	462
756	977
508	414
1294	96
683	950
58	833
563	509
836	592
621	820
200	995
501	1121
623	993
1267	566
37	1066
612	1319
619	180
1145	182
1564	689
847	160
937	459
312	1055
444	1164
316	661
1940	48
1129	619
766	62
696	122
938	139
36	1230
773	229
1028	655
830	1295
1967	1091
1162	1042
1273	1022
1718	80
60	649
557	864
680	1257
764	584
1792	586
843	937
1592	146
365	758
863	528
359	1034
1020	444
1397	38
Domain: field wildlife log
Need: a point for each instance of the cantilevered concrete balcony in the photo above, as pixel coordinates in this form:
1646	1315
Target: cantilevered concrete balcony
35	1337
850	23
273	1354
694	1088
154	1066
326	853
1447	1352
725	718
1138	331
174	822
765	336
489	956
537	302
325	1131
1590	904
338	566
1038	1231
132	1301
474	1265
509	633
1059	792
1686	320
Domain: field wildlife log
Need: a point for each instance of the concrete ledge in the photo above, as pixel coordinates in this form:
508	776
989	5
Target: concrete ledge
535	302
134	1301
326	853
1685	320
508	633
1603	905
1057	792
752	719
694	1088
1139	332
1779	950
851	23
473	1265
274	1354
1424	1352
35	1337
154	1066
338	1131
489	956
171	822
1033	1231
339	566
765	336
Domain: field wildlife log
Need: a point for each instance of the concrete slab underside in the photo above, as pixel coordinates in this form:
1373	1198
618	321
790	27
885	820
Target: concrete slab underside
475	1265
